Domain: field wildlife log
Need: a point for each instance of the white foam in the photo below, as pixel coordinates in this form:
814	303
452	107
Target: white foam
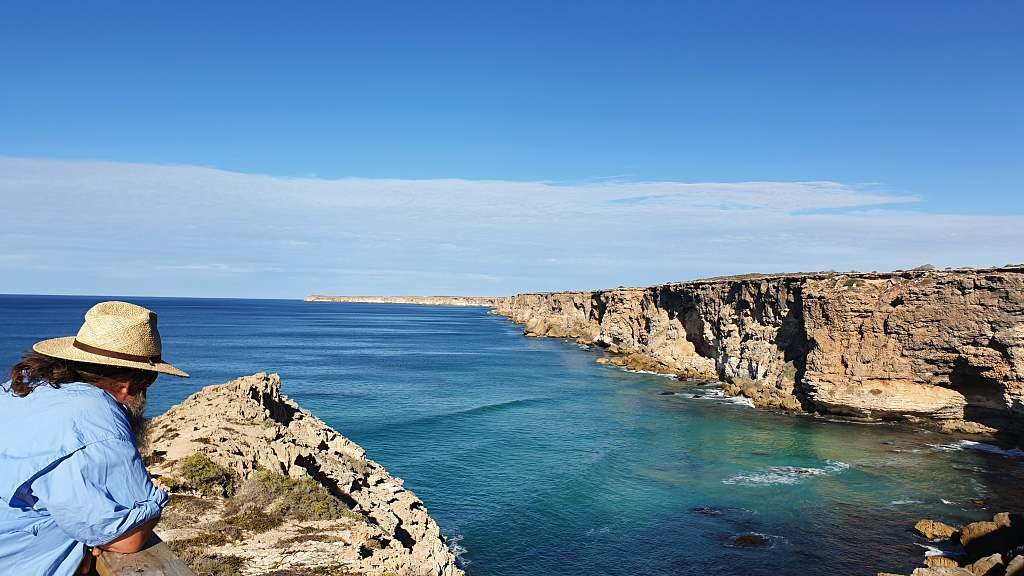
457	549
742	401
930	550
651	372
786	474
946	502
718	394
771	540
904	502
980	447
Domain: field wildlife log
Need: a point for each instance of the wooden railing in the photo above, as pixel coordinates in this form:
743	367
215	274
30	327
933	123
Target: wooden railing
156	559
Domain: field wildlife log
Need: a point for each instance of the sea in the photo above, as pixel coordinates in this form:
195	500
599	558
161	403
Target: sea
535	460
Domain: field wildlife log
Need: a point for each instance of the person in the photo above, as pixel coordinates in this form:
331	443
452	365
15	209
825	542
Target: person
72	482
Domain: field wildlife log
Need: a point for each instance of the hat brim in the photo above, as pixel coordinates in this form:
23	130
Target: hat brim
63	348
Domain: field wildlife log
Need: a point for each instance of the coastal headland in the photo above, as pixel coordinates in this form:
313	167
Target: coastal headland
260	486
485	301
943	347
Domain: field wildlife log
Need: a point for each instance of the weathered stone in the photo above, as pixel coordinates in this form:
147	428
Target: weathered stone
941	345
988	566
940	561
1015	567
934	530
247	425
1003	533
941	571
980	538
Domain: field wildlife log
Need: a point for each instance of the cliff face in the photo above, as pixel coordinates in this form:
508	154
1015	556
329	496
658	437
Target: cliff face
942	345
261	486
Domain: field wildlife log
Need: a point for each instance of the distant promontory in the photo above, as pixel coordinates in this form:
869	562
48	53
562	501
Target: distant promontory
484	301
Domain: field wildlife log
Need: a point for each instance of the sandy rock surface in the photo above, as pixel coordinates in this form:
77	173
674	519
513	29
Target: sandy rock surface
353	517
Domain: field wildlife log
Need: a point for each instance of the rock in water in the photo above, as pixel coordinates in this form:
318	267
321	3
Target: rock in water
991	565
941	571
1003	533
751	540
940	562
706	511
934	530
306	499
1015	567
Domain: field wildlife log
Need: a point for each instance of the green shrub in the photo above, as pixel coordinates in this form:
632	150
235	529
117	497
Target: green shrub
193	551
299	498
218	565
206	476
174	484
249	518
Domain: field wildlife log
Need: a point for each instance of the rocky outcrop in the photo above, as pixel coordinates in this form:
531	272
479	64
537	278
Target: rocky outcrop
942	345
986	548
263	487
485	301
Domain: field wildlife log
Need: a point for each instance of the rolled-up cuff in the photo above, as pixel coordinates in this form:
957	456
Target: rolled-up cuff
143	511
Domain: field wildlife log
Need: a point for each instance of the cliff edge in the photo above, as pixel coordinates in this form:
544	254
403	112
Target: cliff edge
260	486
944	346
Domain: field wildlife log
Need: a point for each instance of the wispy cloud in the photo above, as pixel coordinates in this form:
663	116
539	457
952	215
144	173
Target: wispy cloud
174	229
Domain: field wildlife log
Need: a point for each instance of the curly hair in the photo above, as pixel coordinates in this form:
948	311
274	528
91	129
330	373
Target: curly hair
37	369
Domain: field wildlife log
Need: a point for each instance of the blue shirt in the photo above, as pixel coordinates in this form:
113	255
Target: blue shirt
70	476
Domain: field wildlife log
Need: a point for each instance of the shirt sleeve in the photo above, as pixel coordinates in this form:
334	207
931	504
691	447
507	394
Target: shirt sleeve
99	492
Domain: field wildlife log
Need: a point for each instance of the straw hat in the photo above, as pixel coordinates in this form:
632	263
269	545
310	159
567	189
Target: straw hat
115	334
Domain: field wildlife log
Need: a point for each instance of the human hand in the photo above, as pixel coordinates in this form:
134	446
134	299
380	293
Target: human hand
89	561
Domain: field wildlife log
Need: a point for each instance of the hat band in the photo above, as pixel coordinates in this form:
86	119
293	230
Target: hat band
117	355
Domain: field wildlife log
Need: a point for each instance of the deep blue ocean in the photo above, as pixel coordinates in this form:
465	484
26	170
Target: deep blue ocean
537	461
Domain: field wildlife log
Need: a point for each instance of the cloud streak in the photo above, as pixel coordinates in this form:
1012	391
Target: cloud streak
122	228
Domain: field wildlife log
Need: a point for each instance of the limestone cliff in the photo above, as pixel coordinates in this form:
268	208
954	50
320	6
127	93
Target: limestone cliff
943	345
260	486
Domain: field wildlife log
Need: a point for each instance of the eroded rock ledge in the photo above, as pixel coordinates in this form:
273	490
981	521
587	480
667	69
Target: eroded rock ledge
262	487
945	346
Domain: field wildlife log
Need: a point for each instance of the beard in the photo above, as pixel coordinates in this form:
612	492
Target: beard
136	408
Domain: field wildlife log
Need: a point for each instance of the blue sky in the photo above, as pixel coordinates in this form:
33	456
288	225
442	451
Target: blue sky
547	145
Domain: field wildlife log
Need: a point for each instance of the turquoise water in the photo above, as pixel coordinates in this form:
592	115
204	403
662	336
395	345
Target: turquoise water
538	461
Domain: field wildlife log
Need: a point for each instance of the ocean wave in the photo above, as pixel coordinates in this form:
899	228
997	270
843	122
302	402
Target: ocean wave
934	551
468	412
904	502
786	474
458	549
980	447
930	550
651	372
718	394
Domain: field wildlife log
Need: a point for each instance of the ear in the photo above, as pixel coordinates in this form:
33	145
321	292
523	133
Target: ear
121	390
